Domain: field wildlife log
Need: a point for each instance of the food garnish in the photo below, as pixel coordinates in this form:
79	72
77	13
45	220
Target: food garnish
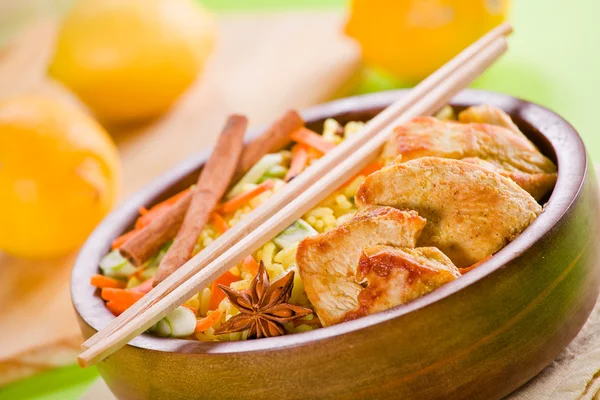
275	138
294	234
312	139
265	309
148	240
207	322
212	184
101	281
238	201
299	161
216	295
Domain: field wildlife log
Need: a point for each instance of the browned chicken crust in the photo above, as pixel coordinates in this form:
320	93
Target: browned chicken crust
428	136
395	276
537	185
328	262
487	114
471	212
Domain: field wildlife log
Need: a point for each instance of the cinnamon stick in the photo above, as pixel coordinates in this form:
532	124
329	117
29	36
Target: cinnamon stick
275	138
212	183
149	239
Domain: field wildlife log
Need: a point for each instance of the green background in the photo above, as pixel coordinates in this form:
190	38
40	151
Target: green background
554	60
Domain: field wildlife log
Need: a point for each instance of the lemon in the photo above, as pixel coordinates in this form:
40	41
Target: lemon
59	176
130	60
412	38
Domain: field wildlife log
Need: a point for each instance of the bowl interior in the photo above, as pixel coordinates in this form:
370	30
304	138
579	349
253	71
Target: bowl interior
552	134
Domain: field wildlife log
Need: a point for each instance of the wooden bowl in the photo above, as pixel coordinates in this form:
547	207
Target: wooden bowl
479	337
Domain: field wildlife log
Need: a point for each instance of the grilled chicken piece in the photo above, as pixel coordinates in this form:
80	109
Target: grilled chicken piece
328	262
471	212
514	154
395	276
487	114
538	185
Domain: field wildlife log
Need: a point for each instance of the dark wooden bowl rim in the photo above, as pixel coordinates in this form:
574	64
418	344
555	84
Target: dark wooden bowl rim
563	140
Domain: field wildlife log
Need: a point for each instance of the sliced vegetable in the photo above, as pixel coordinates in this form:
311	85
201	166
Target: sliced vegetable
312	139
208	322
101	281
116	307
137	271
180	322
155	260
255	173
147	273
250	264
275	172
217	295
116	266
238	201
299	161
121	295
219	222
294	233
192	309
133	282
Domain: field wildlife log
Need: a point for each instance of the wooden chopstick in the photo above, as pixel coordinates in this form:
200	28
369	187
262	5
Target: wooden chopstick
261	214
314	192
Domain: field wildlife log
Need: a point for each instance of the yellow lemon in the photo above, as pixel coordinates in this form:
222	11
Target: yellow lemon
412	38
130	59
59	176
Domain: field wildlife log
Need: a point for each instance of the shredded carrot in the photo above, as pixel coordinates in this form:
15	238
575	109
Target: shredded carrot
146	216
298	162
218	222
101	281
150	215
366	171
250	264
120	241
312	139
116	307
172	200
121	295
472	267
217	294
243	198
143	287
207	322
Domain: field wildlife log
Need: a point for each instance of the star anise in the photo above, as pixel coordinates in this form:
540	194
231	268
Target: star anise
264	310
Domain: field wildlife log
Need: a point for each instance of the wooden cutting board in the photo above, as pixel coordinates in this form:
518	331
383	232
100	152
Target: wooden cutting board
263	65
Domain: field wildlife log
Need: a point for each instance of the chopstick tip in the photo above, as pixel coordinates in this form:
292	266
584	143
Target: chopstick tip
82	361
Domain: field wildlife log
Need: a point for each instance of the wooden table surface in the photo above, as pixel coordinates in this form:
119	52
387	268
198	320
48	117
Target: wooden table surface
263	65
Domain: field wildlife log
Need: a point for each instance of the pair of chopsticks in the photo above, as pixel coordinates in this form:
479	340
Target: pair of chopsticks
298	197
